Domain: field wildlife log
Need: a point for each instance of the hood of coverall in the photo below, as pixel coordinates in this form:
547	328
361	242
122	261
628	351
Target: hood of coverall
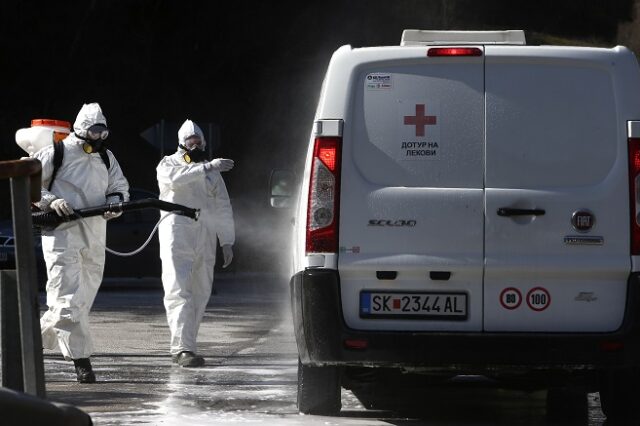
89	115
188	129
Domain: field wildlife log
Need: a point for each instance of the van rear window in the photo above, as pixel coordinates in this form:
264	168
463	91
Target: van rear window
420	125
549	124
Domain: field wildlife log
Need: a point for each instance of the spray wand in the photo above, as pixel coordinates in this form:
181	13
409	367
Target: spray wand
51	220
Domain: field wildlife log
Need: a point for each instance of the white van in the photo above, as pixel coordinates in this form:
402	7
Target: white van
469	207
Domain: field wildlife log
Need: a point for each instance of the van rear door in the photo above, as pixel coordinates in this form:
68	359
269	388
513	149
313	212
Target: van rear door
411	202
557	224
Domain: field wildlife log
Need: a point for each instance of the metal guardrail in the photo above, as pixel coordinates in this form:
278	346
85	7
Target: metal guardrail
21	342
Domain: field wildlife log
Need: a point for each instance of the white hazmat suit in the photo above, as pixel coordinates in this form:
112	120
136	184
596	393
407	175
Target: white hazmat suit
188	247
75	252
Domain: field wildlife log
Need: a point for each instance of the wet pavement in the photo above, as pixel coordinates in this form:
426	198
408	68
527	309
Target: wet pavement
250	375
137	383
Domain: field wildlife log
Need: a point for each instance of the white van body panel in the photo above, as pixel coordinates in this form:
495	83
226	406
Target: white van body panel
426	175
550	146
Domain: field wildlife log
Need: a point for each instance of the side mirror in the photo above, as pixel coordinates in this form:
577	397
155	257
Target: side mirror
282	188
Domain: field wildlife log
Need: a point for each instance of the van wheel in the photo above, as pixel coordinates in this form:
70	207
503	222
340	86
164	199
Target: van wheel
567	406
620	395
319	390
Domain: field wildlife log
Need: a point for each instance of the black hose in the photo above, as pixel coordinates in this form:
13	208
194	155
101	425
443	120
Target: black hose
50	220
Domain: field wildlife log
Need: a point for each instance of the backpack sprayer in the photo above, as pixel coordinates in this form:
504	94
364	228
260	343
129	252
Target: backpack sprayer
44	132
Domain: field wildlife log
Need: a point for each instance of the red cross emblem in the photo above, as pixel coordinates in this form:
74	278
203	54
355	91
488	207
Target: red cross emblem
420	120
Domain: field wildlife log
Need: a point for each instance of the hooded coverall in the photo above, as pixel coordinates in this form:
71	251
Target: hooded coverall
188	247
74	252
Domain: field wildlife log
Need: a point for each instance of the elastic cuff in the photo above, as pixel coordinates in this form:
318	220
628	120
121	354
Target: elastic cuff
44	203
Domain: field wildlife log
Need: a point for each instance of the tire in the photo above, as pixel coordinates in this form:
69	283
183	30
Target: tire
319	390
364	384
567	406
620	396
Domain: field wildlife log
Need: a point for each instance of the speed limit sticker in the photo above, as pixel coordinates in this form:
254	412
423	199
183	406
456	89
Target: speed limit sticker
510	298
538	299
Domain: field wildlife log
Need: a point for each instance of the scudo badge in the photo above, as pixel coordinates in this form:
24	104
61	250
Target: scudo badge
583	220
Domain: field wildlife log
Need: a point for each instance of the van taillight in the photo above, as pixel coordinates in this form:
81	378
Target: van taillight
454	51
634	187
324	196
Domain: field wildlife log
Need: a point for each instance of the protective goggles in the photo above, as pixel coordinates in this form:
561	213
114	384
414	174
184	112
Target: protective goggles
193	142
95	133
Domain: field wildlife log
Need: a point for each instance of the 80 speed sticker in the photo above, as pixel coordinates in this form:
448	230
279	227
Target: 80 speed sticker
510	298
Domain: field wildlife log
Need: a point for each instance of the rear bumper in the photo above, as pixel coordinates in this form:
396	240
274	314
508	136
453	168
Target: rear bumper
321	334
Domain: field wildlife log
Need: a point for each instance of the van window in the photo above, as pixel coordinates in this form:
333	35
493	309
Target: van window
548	124
420	125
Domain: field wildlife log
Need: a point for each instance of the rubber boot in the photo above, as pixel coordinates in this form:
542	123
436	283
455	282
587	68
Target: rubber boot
188	359
84	370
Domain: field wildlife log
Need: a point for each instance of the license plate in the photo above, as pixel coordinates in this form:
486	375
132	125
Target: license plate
385	304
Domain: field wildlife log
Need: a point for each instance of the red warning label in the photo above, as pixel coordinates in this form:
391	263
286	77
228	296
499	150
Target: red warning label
538	299
510	298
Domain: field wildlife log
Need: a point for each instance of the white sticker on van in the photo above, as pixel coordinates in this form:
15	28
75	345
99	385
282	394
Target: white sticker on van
419	130
378	81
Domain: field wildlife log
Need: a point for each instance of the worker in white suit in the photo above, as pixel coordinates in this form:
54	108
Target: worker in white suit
88	176
188	247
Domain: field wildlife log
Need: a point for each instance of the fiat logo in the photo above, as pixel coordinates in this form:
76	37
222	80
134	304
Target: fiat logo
583	220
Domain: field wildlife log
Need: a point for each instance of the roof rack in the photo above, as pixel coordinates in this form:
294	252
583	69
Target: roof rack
422	37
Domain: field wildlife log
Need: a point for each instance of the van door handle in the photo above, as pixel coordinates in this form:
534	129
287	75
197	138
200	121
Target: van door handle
507	211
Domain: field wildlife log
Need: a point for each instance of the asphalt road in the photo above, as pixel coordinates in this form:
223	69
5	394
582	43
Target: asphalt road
250	374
